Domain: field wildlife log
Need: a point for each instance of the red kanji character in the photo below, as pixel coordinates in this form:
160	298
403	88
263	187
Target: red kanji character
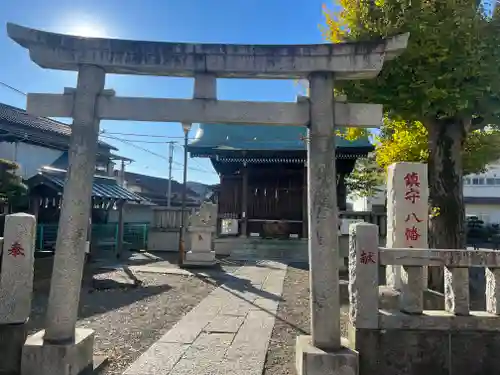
412	234
412	195
367	257
414	216
412	180
16	250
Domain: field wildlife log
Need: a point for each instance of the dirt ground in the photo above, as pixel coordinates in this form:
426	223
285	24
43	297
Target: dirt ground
293	319
127	319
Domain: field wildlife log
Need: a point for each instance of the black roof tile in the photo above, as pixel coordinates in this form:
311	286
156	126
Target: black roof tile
18	122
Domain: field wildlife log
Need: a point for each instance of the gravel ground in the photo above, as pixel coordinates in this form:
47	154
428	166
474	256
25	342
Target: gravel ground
293	320
127	320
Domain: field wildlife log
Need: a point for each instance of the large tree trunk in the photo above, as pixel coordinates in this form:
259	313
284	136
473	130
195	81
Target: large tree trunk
447	228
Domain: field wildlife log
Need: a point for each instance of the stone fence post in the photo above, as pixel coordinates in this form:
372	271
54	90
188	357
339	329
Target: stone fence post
16	287
363	275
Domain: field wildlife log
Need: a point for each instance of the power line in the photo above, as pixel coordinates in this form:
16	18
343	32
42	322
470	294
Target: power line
170	162
136	141
142	135
193	160
13	88
153	153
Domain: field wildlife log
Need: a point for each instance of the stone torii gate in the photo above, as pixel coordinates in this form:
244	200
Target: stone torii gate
89	103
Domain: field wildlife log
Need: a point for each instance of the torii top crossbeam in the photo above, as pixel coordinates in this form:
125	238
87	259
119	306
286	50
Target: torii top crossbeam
346	60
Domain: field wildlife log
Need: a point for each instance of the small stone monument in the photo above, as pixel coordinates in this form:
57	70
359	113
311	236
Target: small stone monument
202	225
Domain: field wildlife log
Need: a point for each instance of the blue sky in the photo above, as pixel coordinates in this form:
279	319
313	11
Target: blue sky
214	21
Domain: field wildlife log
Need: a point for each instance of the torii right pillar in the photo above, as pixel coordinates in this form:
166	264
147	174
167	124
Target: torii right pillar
325	351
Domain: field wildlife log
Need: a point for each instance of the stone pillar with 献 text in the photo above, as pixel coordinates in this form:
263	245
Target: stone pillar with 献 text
407	218
16	287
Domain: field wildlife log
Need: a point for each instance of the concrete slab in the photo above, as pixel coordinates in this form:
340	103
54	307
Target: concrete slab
271	306
200	258
12	338
311	360
75	358
225	324
226	333
160	358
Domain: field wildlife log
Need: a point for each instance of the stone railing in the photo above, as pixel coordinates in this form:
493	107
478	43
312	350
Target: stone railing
365	259
378	218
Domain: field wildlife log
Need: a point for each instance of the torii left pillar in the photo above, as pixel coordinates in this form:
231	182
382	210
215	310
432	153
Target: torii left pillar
63	349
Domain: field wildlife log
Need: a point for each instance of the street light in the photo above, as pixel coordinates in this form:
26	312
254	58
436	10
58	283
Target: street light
186	127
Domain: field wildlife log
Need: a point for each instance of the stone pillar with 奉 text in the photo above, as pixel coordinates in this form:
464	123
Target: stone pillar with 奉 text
16	287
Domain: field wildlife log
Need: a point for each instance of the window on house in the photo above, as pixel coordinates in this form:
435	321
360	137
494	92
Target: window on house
481	181
490	181
467	181
475	181
497	181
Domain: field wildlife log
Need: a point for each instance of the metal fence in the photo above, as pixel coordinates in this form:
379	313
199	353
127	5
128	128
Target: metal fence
104	236
378	218
170	218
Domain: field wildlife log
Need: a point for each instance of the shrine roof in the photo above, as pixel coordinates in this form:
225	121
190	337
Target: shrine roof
219	137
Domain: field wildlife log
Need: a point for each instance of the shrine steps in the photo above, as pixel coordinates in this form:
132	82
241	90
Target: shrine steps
241	248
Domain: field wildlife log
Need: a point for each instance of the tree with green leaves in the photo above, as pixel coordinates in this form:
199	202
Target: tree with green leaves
446	80
12	189
367	177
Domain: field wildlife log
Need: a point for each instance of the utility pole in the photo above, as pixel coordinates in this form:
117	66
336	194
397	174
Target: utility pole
122	174
170	161
121	218
186	127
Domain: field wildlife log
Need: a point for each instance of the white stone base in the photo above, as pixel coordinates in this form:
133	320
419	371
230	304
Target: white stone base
310	360
200	258
41	358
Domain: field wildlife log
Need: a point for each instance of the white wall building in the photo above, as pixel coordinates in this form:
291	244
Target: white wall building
482	194
29	157
34	142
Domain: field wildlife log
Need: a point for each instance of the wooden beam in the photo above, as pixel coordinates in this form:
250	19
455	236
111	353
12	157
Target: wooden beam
305	206
244	201
205	111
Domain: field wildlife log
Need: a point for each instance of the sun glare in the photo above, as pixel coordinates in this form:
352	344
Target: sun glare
87	30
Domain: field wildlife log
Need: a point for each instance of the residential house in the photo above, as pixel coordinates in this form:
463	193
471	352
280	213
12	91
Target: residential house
155	191
33	142
375	203
40	146
482	195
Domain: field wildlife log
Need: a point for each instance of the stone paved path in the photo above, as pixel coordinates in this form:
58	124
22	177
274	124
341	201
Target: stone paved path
227	333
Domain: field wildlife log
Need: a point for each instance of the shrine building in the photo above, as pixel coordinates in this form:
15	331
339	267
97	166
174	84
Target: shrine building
263	176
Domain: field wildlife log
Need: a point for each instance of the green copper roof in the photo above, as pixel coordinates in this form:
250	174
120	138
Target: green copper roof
259	138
